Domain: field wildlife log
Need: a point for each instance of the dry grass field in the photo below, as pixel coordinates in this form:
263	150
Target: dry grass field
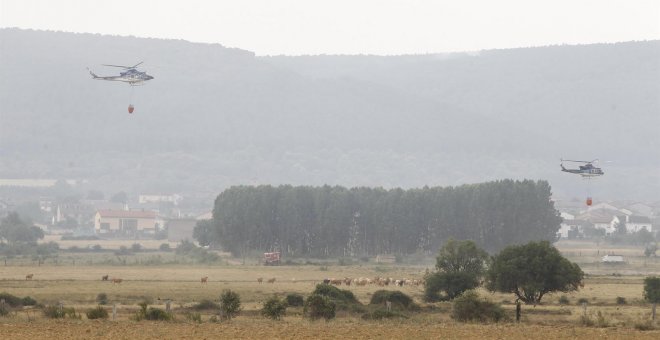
295	328
78	286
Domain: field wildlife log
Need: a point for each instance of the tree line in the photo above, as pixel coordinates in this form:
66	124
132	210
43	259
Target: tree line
337	221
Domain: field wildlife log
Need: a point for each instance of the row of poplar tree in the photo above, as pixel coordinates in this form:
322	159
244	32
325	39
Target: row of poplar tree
337	221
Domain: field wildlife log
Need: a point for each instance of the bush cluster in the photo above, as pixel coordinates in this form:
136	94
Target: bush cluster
470	307
97	313
15	301
319	306
295	300
151	313
55	312
230	303
398	299
274	308
335	293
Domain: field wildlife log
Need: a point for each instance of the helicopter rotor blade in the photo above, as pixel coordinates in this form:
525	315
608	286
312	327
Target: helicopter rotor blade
138	64
126	67
570	160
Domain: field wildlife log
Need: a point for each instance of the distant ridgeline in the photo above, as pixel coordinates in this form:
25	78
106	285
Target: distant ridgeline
336	221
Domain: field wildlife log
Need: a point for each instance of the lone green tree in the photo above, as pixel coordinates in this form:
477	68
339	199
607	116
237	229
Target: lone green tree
532	270
652	291
460	265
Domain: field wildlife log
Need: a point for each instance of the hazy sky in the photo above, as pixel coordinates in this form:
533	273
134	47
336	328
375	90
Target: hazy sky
295	27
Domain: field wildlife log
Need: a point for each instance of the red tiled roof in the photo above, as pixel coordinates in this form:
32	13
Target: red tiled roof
127	214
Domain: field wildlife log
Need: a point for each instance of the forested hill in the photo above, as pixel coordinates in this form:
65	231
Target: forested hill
214	117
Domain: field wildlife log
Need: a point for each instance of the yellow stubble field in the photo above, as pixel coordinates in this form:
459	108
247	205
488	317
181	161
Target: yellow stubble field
78	286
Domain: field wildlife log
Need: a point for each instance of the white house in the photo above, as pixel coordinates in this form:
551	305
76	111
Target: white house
600	218
634	223
571	229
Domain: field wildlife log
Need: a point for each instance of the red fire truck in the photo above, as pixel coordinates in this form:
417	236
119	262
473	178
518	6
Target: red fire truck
272	259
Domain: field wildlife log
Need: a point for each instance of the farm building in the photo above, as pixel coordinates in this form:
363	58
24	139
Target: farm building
126	223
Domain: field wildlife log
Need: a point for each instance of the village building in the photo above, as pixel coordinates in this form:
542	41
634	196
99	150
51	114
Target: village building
572	229
600	218
126	223
633	223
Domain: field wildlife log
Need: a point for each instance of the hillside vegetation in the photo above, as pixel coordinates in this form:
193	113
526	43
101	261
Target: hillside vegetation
214	116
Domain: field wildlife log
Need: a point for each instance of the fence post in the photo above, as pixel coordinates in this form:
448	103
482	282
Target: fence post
388	305
114	311
653	314
518	311
584	307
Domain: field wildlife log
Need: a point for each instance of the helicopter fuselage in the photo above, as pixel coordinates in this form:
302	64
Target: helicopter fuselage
585	171
132	77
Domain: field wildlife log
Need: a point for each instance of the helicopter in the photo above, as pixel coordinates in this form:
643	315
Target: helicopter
586	170
130	75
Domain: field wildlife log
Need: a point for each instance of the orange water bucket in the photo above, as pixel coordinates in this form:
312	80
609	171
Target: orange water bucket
589	201
130	108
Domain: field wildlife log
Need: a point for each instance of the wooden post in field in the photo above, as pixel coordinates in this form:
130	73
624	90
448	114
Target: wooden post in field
114	311
584	307
167	305
518	311
388	305
653	312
